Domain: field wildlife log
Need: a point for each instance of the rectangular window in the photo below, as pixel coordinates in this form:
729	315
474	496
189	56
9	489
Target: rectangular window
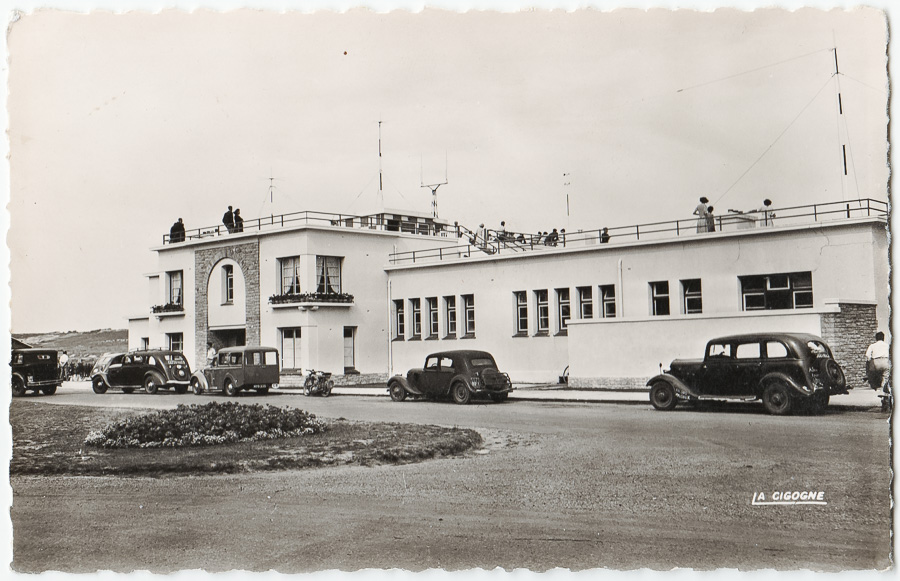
175	341
776	291
290	348
450	310
543	311
608	297
563	309
521	302
693	299
659	298
415	305
228	284
469	307
328	274
290	275
585	302
432	317
175	291
399	320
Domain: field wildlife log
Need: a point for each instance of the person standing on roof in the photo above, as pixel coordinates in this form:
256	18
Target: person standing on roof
238	221
176	232
228	220
700	211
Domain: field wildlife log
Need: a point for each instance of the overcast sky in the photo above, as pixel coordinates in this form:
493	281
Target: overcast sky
121	123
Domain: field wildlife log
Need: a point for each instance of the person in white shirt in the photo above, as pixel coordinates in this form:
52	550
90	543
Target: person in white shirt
877	362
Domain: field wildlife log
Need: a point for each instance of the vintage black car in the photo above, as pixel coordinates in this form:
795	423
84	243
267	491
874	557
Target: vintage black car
35	370
787	371
239	368
148	369
461	375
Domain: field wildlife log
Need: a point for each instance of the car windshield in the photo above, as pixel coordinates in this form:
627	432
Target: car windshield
482	362
103	361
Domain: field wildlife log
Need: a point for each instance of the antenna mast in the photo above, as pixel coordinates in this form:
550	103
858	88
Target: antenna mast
380	179
433	187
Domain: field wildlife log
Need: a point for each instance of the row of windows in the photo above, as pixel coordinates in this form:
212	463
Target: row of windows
606	296
429	327
328	279
328	274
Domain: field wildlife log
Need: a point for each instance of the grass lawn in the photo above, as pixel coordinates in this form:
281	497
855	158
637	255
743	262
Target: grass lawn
49	439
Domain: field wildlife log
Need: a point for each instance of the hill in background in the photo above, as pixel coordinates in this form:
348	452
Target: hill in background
80	344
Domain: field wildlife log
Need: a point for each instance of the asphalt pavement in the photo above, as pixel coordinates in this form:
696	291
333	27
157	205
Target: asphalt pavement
861	399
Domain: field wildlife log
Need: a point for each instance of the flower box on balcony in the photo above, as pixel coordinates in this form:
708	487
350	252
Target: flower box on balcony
311	300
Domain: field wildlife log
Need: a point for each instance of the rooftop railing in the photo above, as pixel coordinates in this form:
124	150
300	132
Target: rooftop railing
384	222
491	242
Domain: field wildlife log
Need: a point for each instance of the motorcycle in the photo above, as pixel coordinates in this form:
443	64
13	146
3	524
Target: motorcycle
318	383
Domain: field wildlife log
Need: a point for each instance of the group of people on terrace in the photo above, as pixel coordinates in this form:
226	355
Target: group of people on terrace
233	220
706	221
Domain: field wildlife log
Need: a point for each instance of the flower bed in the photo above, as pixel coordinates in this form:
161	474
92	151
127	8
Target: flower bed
204	425
167	308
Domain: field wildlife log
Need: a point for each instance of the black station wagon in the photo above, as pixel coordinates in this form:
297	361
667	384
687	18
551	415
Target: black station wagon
35	370
150	370
239	368
786	371
461	375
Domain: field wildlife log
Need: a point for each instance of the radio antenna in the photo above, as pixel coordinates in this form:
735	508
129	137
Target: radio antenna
433	187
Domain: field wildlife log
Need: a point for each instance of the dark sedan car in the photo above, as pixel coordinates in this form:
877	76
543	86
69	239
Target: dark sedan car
460	375
148	369
36	370
784	370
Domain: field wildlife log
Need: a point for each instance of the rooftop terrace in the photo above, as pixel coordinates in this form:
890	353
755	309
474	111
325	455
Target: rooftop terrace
492	242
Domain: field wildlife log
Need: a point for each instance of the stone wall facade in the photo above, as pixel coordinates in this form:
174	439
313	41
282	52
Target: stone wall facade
849	333
246	255
293	379
610	383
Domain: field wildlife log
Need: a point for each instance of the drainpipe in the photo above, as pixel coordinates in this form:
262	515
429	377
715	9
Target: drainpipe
390	343
619	298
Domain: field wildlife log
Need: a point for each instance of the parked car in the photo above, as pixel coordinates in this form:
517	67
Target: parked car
460	375
150	370
35	370
786	371
239	368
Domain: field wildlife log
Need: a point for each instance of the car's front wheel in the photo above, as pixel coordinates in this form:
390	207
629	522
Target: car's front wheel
397	391
196	387
18	387
229	388
98	385
461	393
777	398
662	396
151	383
49	390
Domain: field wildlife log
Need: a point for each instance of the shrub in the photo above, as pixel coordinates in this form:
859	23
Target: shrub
208	424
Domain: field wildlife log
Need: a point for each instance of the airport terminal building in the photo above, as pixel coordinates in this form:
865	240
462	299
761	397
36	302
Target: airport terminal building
366	297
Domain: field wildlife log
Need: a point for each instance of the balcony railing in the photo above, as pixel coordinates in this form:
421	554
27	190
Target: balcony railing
383	222
299	298
167	308
493	242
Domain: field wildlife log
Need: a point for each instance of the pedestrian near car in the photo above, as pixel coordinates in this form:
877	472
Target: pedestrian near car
700	211
210	353
238	221
176	232
228	220
878	362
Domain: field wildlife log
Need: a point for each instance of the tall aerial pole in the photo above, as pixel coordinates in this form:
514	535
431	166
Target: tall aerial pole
380	178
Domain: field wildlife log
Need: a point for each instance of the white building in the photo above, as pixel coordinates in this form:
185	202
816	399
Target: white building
605	313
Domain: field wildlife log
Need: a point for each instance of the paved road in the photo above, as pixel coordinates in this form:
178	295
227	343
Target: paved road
558	485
